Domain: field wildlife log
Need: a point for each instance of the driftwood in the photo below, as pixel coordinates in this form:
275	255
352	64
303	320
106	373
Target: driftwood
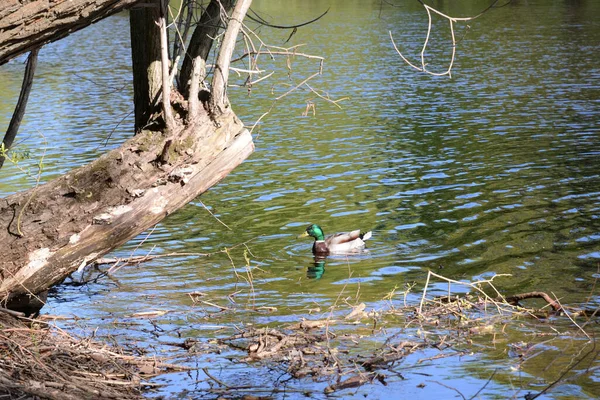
514	299
38	360
26	25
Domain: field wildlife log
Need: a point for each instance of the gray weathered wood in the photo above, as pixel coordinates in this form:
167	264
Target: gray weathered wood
219	102
84	214
28	24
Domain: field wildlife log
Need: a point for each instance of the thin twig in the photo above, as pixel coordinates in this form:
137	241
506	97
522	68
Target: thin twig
570	318
484	386
451	21
205	370
298	85
214	216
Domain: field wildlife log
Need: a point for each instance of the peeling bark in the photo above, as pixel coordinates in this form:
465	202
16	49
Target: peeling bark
91	210
26	25
48	232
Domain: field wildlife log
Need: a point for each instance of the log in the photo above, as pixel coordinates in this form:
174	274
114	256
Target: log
47	232
26	25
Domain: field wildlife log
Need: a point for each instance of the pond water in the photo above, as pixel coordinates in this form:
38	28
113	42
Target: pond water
494	171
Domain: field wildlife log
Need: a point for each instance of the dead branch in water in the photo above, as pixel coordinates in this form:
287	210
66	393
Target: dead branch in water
134	260
330	349
514	299
40	360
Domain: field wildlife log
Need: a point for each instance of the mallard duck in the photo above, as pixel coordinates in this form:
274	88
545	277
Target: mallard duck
348	242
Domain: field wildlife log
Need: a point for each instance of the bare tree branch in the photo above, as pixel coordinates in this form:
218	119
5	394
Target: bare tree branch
15	121
451	21
218	100
514	299
193	66
259	20
179	45
164	55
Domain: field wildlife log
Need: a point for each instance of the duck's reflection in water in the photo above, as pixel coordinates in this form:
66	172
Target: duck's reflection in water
316	270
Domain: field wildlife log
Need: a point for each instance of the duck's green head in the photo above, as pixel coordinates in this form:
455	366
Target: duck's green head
315	231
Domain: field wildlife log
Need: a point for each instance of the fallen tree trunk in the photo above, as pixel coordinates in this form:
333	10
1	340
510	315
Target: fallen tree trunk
49	231
26	25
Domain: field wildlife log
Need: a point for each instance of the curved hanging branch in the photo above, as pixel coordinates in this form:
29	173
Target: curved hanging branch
218	99
15	122
451	21
259	20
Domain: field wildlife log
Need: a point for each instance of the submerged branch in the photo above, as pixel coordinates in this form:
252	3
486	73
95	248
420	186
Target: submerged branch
514	299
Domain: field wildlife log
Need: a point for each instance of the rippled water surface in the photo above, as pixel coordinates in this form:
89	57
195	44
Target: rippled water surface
492	171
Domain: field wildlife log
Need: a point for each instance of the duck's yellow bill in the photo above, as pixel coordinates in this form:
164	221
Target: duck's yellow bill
305	234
